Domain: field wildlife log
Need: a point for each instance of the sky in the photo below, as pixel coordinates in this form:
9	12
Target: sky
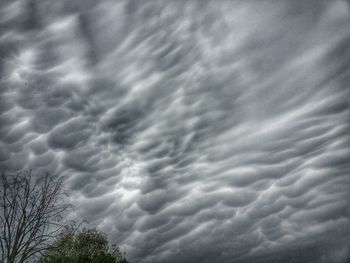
188	131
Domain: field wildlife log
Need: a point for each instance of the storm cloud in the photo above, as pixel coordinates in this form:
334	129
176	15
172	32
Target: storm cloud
189	131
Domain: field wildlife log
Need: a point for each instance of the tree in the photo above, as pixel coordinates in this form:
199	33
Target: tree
31	215
86	246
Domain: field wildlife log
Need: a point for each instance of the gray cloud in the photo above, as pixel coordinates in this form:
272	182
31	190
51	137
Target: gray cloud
190	131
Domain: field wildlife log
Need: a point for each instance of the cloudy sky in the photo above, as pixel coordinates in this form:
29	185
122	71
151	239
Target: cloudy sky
189	131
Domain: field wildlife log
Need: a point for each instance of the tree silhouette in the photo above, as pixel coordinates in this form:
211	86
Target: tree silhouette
31	215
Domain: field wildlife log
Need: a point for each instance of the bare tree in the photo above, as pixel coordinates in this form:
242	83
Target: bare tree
31	215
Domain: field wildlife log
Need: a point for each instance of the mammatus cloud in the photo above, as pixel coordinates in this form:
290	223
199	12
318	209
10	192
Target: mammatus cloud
190	131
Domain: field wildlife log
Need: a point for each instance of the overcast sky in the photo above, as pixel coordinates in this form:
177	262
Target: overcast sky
189	131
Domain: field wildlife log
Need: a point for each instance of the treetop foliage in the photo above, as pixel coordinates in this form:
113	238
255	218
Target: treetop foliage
85	246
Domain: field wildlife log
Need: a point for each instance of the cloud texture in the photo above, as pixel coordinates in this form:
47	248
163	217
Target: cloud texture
189	131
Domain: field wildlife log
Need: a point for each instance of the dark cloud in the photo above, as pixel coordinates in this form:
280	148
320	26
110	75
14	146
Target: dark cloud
190	131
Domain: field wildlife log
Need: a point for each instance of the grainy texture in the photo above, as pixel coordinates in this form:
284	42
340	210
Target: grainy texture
189	131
